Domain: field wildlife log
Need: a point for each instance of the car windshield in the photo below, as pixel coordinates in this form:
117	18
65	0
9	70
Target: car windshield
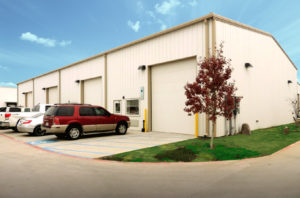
38	115
36	108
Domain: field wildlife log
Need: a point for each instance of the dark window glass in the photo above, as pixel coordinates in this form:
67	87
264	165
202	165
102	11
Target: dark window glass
13	109
86	111
51	111
132	107
3	109
47	107
117	107
64	111
36	108
27	110
101	112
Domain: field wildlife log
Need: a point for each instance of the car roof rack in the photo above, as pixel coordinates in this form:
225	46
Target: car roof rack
70	104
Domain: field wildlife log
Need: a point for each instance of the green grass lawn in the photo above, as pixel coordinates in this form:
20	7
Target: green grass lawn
261	142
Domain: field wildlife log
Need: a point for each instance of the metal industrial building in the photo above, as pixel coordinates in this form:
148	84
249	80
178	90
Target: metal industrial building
150	74
8	96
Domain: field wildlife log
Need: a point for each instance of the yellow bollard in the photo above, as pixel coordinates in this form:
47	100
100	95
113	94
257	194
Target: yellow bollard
196	125
145	120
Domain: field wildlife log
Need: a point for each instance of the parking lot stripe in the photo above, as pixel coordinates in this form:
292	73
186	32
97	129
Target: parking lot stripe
101	145
80	151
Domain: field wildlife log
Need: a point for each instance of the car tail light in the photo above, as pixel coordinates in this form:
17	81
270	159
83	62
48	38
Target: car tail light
56	121
7	115
27	122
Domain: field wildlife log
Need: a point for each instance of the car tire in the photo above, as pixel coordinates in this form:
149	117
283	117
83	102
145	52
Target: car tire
73	132
121	128
16	127
37	131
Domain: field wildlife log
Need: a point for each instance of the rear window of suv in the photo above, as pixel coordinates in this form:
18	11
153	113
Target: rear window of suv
14	109
60	111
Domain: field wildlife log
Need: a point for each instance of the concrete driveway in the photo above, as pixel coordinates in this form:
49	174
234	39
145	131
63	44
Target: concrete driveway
29	172
99	145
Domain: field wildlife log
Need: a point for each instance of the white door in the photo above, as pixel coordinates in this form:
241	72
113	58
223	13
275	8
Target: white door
168	98
53	95
93	92
29	96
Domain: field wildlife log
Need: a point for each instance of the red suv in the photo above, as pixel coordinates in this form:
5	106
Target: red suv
73	120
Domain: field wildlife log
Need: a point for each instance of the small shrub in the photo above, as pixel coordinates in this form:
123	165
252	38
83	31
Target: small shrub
286	130
181	154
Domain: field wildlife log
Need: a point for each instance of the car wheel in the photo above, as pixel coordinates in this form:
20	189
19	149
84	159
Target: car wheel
38	131
73	132
121	128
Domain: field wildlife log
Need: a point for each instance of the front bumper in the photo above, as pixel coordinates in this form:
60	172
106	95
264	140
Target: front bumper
55	129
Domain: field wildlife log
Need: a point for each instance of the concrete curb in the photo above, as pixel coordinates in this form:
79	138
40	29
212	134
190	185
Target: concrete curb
152	163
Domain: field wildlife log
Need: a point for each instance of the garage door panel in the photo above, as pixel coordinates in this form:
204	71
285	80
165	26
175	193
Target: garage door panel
93	91
168	98
53	95
29	100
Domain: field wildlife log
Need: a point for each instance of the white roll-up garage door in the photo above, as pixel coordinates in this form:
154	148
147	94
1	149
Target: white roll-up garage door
29	99
53	95
93	91
168	98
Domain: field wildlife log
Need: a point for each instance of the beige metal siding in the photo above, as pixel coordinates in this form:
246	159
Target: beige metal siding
41	84
123	76
168	98
86	70
7	94
24	88
264	87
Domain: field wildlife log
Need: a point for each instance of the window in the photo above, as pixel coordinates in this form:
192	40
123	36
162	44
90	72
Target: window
14	109
132	107
36	108
47	107
64	111
51	111
86	111
3	109
117	106
27	110
101	112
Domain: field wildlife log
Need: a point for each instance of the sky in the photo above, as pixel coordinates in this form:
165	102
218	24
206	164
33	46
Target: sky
37	36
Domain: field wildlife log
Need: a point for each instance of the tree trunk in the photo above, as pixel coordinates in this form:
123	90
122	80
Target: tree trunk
212	136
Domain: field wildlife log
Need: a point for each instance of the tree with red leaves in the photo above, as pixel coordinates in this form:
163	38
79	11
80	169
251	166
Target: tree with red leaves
212	93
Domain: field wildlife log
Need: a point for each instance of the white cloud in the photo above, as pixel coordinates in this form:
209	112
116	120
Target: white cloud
7	84
28	36
193	3
65	43
34	38
166	6
134	26
162	24
3	68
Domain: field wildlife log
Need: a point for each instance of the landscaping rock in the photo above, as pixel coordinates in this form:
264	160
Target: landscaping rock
286	130
245	129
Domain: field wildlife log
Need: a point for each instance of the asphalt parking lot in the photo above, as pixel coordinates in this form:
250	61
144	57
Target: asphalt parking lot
98	145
